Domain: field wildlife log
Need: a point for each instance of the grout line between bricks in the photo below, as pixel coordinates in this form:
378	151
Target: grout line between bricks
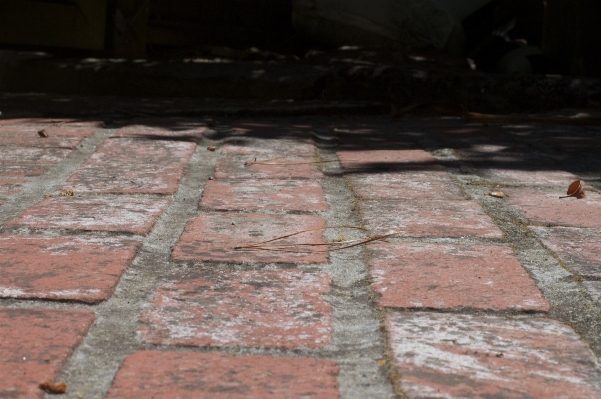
91	368
357	326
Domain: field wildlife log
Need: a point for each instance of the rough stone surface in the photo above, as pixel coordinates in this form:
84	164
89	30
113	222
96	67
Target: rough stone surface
284	168
449	356
387	159
29	161
428	218
156	167
405	185
579	249
546	207
290	195
34	345
123	213
408	275
271	309
74	269
214	375
212	237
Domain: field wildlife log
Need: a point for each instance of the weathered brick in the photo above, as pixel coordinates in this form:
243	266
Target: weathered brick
574	144
415	275
11	186
27	136
213	375
578	248
156	168
212	237
284	168
176	132
271	309
529	176
292	195
462	136
428	218
546	207
387	159
74	269
52	122
263	147
405	185
34	345
99	213
463	356
28	161
500	153
594	289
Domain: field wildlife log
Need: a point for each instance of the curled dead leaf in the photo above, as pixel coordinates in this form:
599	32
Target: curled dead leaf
575	190
42	133
211	148
497	194
51	387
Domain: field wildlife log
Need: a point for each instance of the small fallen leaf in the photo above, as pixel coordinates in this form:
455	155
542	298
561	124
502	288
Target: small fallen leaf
43	133
497	194
575	190
211	148
340	238
51	387
382	362
66	193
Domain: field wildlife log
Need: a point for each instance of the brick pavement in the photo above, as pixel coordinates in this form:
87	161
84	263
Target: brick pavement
135	285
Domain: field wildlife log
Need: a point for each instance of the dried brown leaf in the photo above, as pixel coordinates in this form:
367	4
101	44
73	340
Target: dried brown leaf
211	148
575	190
497	194
42	133
51	387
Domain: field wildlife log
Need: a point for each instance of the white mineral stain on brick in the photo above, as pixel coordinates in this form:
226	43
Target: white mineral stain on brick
244	308
435	352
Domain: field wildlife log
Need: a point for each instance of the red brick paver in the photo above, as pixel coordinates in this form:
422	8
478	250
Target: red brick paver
405	185
11	186
409	275
273	309
283	168
532	177
262	147
77	269
578	248
447	355
99	213
212	375
387	159
29	161
429	218
212	237
291	195
546	207
34	345
179	131
27	136
156	167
